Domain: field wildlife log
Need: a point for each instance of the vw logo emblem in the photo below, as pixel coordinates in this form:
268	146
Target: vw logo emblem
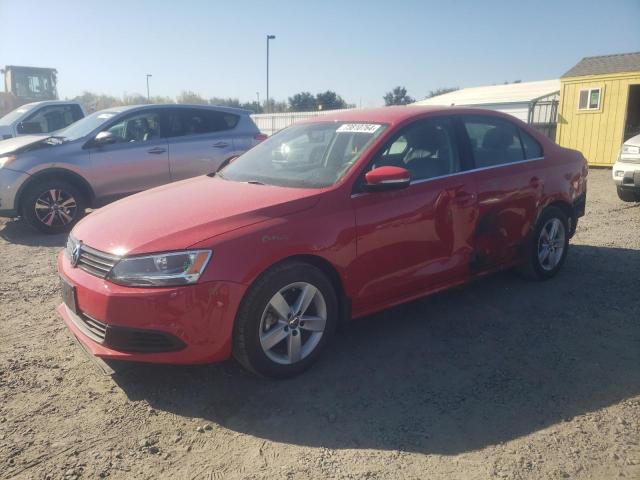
75	254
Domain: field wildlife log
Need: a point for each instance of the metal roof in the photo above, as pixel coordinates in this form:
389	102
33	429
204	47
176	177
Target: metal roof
523	92
620	62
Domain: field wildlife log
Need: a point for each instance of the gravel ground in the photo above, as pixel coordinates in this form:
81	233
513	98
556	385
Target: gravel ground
502	378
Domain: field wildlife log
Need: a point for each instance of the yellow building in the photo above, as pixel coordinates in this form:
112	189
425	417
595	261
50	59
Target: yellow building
600	106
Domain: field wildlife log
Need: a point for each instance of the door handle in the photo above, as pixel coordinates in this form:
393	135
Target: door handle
157	150
220	145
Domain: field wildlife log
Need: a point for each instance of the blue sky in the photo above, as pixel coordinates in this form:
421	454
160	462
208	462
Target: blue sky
361	49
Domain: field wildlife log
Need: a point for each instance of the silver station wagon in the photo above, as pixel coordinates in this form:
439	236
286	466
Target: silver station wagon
51	180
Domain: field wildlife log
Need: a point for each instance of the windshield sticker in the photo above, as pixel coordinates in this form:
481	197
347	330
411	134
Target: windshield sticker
358	128
106	115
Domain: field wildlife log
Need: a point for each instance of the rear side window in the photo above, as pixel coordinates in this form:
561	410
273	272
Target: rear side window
494	141
532	148
195	121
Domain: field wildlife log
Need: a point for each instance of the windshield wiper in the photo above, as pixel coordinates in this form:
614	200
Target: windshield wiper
55	139
254	182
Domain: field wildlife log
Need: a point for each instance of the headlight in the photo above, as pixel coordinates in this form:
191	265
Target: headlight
160	270
630	149
6	160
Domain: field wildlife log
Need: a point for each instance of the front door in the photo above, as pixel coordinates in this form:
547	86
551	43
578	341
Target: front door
138	160
413	240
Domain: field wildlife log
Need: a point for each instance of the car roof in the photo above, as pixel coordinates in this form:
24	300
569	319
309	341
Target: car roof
395	114
124	108
47	102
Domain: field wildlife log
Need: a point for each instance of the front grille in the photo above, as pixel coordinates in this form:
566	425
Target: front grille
629	160
96	262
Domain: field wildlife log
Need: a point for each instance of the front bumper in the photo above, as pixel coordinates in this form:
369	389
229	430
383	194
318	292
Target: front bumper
198	318
10	183
626	174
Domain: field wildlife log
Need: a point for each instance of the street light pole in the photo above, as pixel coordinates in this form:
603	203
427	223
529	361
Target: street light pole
148	96
269	37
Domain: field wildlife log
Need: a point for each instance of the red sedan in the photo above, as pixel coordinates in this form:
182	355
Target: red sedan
334	218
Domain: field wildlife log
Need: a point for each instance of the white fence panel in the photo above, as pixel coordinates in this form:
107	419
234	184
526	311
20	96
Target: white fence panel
270	123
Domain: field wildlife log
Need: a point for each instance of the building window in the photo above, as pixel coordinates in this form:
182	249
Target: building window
590	99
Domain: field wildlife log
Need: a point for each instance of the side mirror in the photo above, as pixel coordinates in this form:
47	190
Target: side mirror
105	138
386	178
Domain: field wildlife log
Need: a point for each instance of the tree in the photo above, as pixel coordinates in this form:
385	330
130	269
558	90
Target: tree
188	96
225	102
303	102
274	107
441	91
92	102
330	100
397	96
134	99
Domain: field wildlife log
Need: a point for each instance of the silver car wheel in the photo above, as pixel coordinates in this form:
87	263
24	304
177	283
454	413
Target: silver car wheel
55	207
551	244
293	323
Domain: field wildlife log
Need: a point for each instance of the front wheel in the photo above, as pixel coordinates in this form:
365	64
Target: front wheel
53	206
285	320
548	245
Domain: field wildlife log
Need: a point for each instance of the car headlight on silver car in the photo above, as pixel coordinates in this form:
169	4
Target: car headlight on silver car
160	270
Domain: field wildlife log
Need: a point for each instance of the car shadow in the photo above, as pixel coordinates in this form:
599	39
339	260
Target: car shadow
475	366
18	232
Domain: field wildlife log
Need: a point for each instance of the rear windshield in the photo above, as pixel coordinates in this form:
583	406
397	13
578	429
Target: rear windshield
313	155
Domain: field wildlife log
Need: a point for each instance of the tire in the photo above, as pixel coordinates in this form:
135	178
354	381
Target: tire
628	195
53	215
259	325
543	263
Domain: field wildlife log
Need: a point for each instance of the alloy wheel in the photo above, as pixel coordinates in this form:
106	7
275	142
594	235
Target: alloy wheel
551	244
293	323
56	207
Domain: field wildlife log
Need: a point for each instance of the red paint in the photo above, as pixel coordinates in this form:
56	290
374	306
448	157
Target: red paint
386	246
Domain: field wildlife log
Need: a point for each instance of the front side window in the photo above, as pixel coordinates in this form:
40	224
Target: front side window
494	141
48	119
141	127
199	121
314	155
589	99
427	148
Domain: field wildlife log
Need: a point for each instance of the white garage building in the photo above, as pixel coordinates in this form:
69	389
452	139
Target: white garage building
533	102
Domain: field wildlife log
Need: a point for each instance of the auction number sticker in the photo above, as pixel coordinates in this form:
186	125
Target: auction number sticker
358	128
106	115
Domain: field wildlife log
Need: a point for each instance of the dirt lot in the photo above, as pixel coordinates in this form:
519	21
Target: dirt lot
503	378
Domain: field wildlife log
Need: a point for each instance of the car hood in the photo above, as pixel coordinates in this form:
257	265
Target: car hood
178	215
11	145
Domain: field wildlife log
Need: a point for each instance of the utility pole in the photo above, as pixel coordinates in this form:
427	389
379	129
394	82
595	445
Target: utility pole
269	37
148	96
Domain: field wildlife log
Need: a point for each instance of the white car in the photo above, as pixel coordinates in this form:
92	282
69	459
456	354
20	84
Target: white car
626	171
40	117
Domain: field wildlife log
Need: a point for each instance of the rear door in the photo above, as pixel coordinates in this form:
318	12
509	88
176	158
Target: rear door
420	237
137	161
200	139
509	187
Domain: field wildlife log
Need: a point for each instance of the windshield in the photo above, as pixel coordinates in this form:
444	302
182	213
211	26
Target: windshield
13	115
86	125
313	155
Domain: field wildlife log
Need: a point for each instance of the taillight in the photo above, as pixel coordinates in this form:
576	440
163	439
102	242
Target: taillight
261	137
